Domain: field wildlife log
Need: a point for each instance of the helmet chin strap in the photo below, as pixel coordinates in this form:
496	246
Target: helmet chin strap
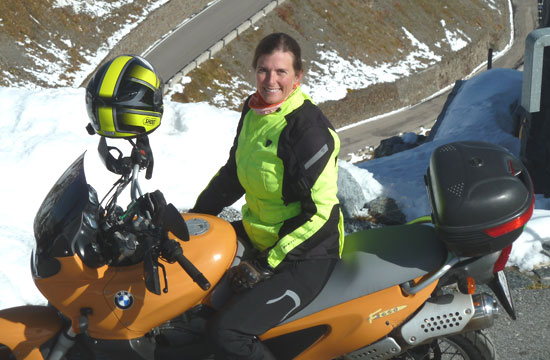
142	155
118	165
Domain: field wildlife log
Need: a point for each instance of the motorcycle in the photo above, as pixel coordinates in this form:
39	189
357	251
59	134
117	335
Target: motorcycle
399	292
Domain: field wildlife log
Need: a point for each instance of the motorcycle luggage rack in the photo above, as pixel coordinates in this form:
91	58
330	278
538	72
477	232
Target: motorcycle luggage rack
410	288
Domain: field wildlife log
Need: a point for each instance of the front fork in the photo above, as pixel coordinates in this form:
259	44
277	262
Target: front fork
64	342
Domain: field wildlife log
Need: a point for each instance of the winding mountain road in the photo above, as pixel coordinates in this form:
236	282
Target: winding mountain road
194	37
424	114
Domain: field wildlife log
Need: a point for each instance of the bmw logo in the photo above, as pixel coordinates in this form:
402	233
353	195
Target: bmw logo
124	300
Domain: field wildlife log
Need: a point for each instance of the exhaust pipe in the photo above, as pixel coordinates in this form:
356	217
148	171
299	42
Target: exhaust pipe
441	316
449	315
485	312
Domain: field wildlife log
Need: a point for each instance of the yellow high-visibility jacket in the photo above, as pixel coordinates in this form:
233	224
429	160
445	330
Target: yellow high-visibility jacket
285	163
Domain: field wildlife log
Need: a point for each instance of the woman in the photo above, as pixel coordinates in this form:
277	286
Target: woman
284	160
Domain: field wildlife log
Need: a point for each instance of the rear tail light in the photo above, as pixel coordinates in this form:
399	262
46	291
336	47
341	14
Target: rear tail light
513	224
502	259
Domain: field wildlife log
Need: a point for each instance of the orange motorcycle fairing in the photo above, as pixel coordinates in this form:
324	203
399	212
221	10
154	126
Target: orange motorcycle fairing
77	286
356	323
212	252
25	328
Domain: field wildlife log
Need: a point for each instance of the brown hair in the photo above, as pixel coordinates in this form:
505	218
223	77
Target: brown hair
282	42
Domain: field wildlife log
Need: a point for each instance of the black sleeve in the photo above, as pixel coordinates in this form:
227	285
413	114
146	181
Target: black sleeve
308	147
224	188
313	150
308	152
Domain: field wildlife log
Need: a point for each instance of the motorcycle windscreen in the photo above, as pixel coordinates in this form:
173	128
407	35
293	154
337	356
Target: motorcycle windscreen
66	222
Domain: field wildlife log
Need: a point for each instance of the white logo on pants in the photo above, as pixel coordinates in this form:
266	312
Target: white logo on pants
291	294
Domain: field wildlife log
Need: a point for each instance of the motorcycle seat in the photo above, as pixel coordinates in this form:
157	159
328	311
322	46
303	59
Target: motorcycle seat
377	259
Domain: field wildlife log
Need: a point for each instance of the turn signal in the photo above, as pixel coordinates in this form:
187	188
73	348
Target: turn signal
471	283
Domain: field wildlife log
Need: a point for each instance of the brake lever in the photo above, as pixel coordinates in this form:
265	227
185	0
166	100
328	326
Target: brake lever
151	273
165	290
142	155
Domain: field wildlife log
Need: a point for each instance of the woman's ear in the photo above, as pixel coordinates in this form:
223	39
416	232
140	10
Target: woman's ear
299	76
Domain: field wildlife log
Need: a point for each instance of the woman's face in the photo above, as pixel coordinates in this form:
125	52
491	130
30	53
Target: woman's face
275	76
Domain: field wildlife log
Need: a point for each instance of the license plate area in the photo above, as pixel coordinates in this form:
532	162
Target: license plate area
501	288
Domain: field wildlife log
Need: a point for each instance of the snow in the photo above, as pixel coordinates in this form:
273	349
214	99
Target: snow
332	76
455	38
480	111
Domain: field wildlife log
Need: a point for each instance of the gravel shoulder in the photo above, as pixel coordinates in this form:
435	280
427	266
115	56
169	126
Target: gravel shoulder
528	337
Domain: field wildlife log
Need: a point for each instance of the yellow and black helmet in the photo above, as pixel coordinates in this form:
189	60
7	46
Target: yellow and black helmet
124	98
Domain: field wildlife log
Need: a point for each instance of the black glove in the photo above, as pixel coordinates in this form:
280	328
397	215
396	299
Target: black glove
247	274
170	250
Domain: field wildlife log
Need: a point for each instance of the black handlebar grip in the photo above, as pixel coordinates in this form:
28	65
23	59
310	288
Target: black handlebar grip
193	272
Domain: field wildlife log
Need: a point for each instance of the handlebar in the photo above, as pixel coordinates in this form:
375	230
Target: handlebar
175	223
129	168
135	190
193	272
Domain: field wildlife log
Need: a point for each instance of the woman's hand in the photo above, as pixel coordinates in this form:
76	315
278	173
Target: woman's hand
247	274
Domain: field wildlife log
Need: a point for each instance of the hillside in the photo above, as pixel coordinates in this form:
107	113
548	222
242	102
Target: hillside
58	43
53	43
366	36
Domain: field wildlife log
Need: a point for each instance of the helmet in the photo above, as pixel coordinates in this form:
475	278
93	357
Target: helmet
124	98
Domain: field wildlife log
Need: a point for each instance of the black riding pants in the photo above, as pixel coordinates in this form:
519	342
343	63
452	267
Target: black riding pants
234	329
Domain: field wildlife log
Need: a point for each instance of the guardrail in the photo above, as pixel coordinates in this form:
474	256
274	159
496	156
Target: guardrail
535	44
209	53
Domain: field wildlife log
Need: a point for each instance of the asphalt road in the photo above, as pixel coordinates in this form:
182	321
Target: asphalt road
198	34
528	337
424	115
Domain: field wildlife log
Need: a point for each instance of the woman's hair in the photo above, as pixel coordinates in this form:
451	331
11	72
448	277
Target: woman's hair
282	42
